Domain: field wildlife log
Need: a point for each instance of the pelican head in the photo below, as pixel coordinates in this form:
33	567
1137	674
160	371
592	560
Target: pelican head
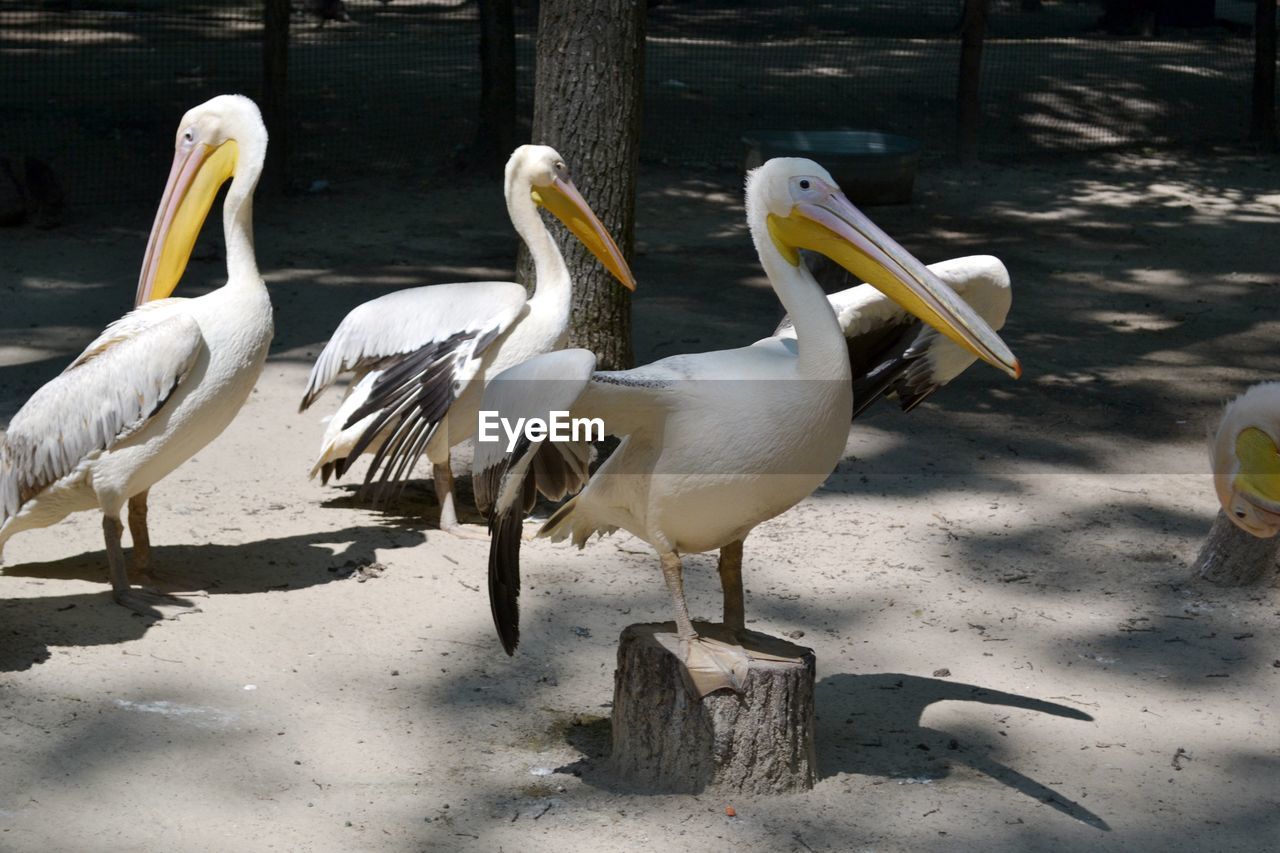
801	207
540	171
223	138
1246	462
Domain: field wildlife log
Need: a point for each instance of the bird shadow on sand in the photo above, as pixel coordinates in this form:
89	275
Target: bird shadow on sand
415	505
31	625
871	725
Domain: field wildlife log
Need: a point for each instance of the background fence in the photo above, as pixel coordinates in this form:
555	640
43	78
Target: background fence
95	87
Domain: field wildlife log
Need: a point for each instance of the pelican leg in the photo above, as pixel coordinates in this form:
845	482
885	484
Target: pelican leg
138	533
730	567
673	574
709	665
145	603
442	477
140	565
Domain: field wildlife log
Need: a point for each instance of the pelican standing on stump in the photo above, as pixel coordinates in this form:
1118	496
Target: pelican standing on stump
712	444
1246	461
164	380
893	353
420	357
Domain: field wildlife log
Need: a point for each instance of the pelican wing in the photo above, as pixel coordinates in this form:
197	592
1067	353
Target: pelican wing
891	352
506	479
118	384
427	345
407	321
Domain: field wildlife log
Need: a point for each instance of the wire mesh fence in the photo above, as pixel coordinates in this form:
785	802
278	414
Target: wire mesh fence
95	87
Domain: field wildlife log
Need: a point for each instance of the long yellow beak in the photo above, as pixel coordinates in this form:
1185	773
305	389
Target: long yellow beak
837	229
562	198
198	172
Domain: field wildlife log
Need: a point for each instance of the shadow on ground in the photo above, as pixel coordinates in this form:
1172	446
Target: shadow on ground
92	618
871	725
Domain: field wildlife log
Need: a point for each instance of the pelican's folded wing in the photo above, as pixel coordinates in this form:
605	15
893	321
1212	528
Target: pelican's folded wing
506	479
406	321
118	384
427	344
893	353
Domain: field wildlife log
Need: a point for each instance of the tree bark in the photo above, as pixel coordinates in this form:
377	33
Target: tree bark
968	87
1263	122
275	92
589	79
1232	557
496	135
667	741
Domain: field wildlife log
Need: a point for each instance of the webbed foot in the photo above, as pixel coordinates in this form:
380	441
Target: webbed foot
466	531
719	657
708	665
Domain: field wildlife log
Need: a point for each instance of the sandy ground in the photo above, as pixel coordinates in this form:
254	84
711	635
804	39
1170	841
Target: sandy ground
1010	653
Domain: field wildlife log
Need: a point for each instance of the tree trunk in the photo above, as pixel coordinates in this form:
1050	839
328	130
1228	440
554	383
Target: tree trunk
589	78
667	741
1232	557
275	92
496	135
968	89
1263	123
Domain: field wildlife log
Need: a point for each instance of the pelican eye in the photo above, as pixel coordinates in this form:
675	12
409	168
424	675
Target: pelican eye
189	136
1239	513
804	185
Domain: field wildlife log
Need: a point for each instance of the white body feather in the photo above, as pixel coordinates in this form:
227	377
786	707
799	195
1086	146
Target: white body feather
716	443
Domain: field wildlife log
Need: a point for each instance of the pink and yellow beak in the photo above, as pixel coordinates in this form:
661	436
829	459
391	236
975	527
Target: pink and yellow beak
564	201
835	228
199	171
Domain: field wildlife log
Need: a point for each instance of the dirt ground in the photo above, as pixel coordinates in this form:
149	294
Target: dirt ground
1011	655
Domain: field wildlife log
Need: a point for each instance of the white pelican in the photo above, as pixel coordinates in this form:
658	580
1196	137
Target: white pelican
1246	462
713	443
165	379
416	353
893	353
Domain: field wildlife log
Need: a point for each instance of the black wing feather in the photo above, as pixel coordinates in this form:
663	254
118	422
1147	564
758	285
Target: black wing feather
410	397
879	359
506	532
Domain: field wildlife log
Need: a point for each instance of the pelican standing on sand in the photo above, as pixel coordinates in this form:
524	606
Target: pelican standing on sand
712	444
164	380
893	353
1246	461
421	356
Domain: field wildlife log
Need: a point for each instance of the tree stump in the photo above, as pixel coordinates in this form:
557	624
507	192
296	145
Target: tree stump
1232	557
666	740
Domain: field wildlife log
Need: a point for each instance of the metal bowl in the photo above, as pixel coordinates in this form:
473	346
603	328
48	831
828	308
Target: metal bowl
871	167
